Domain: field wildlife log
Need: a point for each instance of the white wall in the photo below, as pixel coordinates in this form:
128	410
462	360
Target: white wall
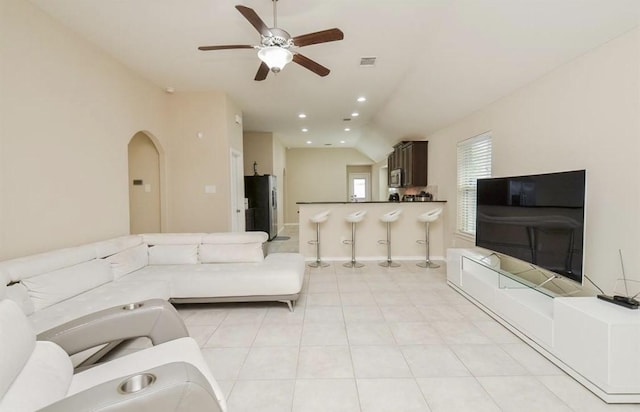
584	115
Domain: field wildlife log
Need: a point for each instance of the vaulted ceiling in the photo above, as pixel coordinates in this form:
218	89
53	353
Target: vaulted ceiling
437	61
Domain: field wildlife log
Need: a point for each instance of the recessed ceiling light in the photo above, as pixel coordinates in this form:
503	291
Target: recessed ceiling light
362	99
305	130
302	115
308	141
342	141
346	129
355	114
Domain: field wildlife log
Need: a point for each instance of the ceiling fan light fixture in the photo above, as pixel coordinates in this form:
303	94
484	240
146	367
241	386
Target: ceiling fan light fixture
275	57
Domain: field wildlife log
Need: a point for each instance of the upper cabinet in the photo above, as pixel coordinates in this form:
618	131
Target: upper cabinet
411	157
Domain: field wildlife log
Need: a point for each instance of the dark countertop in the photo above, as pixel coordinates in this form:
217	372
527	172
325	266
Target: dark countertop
375	201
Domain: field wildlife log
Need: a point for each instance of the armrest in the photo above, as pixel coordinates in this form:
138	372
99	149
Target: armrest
154	318
174	387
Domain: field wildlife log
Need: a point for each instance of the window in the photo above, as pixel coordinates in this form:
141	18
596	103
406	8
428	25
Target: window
474	162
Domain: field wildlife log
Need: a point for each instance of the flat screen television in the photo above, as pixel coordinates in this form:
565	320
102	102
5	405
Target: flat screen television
536	218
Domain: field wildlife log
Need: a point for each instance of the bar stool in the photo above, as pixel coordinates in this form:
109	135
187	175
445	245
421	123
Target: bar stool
317	219
427	218
353	218
388	218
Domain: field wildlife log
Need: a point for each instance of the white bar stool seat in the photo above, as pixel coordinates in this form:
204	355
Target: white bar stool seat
427	218
317	219
354	218
389	218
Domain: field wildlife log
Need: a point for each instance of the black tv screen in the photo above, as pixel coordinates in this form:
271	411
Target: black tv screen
536	218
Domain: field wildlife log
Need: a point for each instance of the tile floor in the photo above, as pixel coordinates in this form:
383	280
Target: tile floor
377	339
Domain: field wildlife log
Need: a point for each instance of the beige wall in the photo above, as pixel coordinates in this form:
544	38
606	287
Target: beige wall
582	115
258	147
198	156
144	200
318	175
379	181
68	113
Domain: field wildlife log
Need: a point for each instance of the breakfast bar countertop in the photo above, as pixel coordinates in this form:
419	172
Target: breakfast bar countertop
371	201
405	232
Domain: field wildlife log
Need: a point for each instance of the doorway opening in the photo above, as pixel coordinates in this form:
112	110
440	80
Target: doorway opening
359	183
145	211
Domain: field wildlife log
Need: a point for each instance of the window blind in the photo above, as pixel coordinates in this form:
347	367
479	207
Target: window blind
474	162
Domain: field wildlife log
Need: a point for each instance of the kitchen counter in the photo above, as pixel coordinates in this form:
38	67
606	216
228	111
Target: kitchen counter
404	232
371	201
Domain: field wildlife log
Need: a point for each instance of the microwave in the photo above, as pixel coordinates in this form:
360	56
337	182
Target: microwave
395	178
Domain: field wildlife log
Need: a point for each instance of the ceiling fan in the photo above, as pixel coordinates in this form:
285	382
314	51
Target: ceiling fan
276	44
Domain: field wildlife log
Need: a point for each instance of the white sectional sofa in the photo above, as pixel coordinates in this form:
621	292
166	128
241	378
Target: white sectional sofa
55	287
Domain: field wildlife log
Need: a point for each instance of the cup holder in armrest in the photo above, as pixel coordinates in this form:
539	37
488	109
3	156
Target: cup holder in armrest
136	383
132	306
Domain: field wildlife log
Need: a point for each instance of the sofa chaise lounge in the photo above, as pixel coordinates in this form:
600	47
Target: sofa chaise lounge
56	287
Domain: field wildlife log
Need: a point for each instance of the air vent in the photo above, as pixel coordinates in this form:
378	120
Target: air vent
367	61
346	119
328	144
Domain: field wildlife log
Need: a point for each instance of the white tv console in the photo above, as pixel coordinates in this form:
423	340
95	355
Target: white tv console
595	342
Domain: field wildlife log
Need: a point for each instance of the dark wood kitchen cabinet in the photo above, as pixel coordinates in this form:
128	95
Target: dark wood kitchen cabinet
411	157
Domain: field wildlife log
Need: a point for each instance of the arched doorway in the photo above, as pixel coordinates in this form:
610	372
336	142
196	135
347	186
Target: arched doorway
144	185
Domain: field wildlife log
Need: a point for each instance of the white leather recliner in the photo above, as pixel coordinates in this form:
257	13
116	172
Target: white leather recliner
38	374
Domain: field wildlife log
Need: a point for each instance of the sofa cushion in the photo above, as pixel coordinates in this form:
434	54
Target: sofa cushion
18	293
278	274
173	254
119	244
58	285
16	345
44	380
28	266
226	253
129	260
172	238
235	237
128	289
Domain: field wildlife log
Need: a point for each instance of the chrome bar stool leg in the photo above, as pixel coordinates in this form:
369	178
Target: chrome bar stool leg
388	263
427	263
427	218
352	242
318	263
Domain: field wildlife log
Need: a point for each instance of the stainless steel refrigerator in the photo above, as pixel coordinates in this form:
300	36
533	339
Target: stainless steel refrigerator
262	199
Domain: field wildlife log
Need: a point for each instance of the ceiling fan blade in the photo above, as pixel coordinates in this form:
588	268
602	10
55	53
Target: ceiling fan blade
263	70
307	63
227	47
254	19
323	36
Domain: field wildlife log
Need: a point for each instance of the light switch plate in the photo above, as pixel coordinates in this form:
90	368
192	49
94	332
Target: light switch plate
147	188
210	188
